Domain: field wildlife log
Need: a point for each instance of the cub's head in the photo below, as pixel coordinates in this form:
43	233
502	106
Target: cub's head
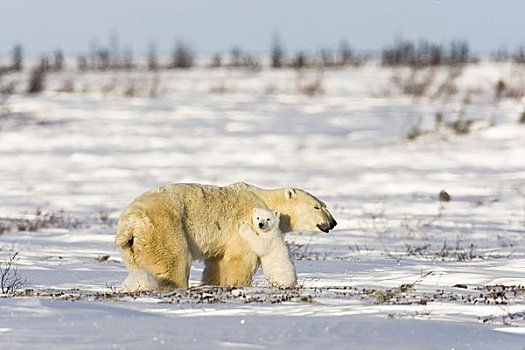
307	213
265	219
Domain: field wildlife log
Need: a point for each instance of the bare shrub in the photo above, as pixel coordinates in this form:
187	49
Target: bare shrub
390	296
277	55
216	61
220	88
17	58
36	81
509	89
448	86
345	54
519	56
109	87
414	132
154	87
445	252
240	59
402	53
305	252
127	59
310	87
102	59
406	53
9	88
130	90
82	63
59	62
68	86
328	58
522	118
183	56
300	61
153	59
457	252
416	83
461	126
251	62
40	220
499	88
417	251
102	258
235	59
438	120
459	53
10	279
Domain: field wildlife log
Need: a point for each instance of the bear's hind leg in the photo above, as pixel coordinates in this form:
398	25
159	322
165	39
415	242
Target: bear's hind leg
171	265
173	273
165	254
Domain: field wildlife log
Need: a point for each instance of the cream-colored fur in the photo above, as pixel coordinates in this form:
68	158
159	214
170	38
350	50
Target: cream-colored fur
165	229
267	241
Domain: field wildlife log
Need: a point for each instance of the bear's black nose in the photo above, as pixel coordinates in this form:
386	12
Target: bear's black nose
261	225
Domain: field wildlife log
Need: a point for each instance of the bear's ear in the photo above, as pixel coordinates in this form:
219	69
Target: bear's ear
254	210
289	193
277	214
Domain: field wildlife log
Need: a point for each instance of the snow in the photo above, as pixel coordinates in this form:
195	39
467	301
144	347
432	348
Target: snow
402	270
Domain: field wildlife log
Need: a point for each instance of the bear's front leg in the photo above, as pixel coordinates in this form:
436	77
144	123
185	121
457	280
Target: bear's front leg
235	268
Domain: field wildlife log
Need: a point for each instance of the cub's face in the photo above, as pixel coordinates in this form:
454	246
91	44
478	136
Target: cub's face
265	219
307	213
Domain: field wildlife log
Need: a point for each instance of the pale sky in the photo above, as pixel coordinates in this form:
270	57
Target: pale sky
218	25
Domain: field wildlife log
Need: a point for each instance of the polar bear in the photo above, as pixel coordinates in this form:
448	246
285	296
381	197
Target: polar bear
268	243
163	230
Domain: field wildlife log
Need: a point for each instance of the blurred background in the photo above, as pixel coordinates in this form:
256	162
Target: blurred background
135	28
101	100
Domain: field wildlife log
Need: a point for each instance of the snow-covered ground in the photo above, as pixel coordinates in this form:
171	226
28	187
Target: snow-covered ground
402	270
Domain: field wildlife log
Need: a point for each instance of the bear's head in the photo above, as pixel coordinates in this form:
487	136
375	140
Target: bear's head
305	212
265	219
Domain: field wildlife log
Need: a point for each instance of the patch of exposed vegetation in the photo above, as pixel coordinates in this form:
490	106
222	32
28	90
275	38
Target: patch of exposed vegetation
40	220
193	295
305	251
60	219
446	252
10	279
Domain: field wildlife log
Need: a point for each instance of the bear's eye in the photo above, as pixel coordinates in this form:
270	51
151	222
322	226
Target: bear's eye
268	219
258	218
317	207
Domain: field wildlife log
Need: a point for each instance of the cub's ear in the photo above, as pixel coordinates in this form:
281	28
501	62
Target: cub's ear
277	214
254	210
289	193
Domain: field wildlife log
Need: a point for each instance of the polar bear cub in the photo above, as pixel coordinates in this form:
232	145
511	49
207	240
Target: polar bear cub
266	240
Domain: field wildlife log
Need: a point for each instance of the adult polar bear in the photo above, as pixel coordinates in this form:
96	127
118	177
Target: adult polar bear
163	230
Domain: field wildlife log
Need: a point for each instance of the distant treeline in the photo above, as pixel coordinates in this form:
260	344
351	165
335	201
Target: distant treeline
401	53
406	53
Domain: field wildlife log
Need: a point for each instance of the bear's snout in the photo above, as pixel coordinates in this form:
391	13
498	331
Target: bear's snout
261	225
